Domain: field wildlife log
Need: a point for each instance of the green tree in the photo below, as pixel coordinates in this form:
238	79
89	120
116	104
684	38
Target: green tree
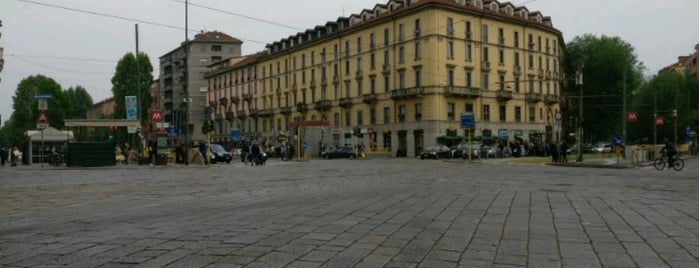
79	102
26	110
659	96
606	64
125	82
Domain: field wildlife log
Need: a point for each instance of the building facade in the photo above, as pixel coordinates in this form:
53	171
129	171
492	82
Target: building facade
182	80
402	73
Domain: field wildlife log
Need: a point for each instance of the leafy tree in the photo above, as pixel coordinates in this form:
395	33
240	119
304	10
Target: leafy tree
79	102
663	93
131	71
26	110
606	63
125	82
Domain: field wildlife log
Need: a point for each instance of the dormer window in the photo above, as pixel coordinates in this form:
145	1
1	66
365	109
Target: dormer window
478	4
508	10
524	14
494	7
461	2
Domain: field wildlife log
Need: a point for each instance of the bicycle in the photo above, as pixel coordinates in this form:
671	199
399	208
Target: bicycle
661	162
55	159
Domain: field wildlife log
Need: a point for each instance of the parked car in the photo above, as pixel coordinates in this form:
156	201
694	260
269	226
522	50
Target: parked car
436	152
341	152
602	148
461	150
218	154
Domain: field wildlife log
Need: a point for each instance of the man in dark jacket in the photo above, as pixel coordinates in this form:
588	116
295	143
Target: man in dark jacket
255	151
3	155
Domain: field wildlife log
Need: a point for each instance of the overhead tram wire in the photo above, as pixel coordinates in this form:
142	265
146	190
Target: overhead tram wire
60	58
240	15
61	70
124	18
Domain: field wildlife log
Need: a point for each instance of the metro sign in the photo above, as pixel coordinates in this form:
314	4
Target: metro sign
659	121
632	116
156	116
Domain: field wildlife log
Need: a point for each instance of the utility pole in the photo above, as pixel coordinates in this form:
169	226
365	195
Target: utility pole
623	114
138	99
186	83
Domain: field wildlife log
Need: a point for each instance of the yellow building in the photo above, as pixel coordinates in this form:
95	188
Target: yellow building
404	72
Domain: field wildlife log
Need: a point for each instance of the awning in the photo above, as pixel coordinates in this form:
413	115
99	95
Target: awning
49	134
101	123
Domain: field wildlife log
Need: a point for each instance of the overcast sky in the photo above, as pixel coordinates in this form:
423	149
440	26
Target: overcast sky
76	47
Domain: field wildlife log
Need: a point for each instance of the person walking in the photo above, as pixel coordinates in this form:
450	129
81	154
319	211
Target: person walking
3	155
152	152
202	151
245	153
564	152
255	151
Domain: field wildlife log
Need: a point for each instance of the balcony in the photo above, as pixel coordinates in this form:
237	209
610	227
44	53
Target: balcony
541	73
504	95
301	107
550	99
532	97
517	70
230	116
371	98
223	102
235	99
346	102
241	114
323	105
294	88
266	113
548	74
462	92
485	65
323	81
407	93
247	97
336	80
359	75
285	110
313	83
253	112
386	69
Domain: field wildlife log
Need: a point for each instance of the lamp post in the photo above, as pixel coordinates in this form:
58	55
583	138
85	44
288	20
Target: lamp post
579	83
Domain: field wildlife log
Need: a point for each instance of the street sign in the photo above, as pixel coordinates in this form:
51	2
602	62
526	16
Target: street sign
171	132
43	121
156	116
617	140
558	116
632	116
131	111
43	105
468	120
659	121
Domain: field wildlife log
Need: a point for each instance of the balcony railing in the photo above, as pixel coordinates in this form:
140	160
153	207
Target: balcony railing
407	93
285	110
504	95
485	65
462	92
253	112
301	107
532	97
359	74
386	69
247	97
551	99
541	73
322	105
371	98
266	112
313	83
346	102
336	79
517	70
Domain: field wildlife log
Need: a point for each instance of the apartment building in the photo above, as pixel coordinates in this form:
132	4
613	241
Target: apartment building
403	72
182	81
685	64
232	83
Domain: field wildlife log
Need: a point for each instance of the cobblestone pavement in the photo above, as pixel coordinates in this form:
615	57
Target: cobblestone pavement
350	213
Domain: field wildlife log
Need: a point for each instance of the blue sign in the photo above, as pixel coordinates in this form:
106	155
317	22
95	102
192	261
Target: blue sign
131	108
235	134
171	132
688	129
305	145
617	140
468	120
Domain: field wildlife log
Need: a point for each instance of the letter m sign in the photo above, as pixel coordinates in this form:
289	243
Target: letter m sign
156	116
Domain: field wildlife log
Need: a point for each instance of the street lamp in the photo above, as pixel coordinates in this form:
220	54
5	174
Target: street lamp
579	82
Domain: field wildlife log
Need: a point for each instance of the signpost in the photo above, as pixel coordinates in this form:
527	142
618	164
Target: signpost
468	121
131	111
632	116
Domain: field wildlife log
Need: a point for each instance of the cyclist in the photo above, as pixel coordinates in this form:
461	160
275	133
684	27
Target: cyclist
671	150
